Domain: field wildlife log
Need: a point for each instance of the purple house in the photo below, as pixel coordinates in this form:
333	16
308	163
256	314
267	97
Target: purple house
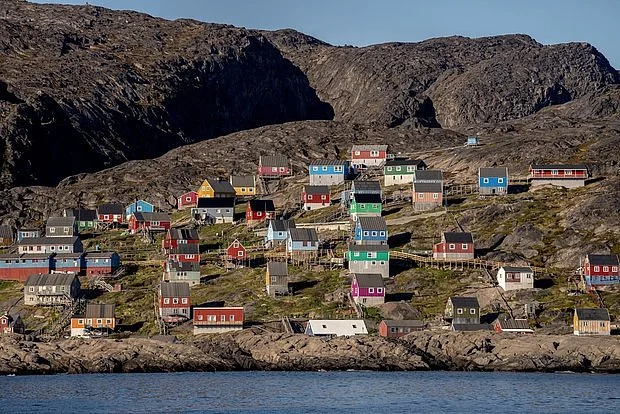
367	289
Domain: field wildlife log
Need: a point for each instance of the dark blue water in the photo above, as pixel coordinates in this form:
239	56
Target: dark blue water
312	392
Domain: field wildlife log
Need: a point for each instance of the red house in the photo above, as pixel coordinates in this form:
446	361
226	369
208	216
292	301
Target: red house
364	156
189	199
148	221
601	269
110	214
175	237
174	301
273	166
185	253
563	175
217	320
236	251
454	246
9	325
260	210
315	196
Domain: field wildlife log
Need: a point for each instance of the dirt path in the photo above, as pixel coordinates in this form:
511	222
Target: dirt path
404	220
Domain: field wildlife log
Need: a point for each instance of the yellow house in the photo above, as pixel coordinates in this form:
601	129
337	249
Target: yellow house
98	319
591	322
215	188
244	185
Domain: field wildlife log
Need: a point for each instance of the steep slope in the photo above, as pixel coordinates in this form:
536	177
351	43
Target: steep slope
82	87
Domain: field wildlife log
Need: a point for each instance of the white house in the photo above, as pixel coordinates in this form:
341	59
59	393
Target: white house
336	327
513	278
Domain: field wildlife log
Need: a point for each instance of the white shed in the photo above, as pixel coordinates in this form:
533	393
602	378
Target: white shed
336	327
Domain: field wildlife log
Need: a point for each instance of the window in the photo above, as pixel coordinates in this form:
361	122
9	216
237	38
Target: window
166	301
374	234
366	233
231	318
31	289
379	290
435	196
274	169
259	213
472	311
605	268
459	311
362	206
357	153
596	268
315	168
451	246
188	199
154	223
393	330
614	269
324	168
282	169
374	153
139	208
184	301
500	180
568	172
371	290
485	180
323	197
99	321
223	318
389	168
52	230
356	254
106	217
354	326
240	253
410	168
199	317
420	195
554	172
309	196
81	321
464	246
382	233
371	255
243	189
175	301
382	262
212	318
375	206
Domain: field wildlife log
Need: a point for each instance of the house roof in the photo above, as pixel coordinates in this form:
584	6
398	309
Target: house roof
282	225
404	161
273	161
368	280
217	202
372	223
428	175
99	310
458	237
597	314
368	248
303	234
468	327
154	216
366	185
48	241
6	232
369	147
367	198
174	289
184	266
338	327
490	172
558	167
111	209
184	234
424	187
261	205
55	279
464	301
190	248
316	189
242	180
328	162
517	269
277	268
411	323
60	221
81	214
220	186
603	259
514	324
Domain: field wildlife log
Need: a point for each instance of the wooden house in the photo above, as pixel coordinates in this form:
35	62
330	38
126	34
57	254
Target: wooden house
60	227
365	205
51	289
315	197
152	222
69	262
174	302
454	246
591	322
244	185
217	319
110	215
274	166
428	176
276	278
101	263
329	172
371	230
185	253
336	327
25	233
365	156
39	245
515	277
277	233
138	206
236	251
302	243
508	325
19	266
187	272
401	171
462	310
187	200
98	320
11	324
216	188
427	196
397	329
369	259
562	175
492	180
368	289
259	210
601	270
176	237
6	235
85	219
214	210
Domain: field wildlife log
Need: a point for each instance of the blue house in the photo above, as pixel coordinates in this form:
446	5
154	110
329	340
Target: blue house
69	262
302	243
277	233
371	230
139	206
329	172
493	180
19	266
27	233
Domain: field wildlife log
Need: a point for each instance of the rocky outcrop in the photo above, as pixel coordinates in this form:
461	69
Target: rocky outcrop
251	350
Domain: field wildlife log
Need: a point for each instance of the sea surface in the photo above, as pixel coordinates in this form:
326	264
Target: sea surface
312	392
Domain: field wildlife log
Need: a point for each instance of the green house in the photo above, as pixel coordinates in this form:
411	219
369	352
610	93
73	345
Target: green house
365	205
401	171
84	219
369	259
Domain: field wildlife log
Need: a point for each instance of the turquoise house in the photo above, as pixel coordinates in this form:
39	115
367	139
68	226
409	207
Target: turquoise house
139	206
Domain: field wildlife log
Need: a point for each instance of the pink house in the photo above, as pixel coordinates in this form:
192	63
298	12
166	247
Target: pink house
367	289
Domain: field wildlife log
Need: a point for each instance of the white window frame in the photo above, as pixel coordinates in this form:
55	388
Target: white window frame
184	301
420	195
166	301
371	290
374	234
366	233
323	197
389	168
485	180
554	172
459	311
356	153
568	172
175	301
240	253
597	268
374	153
472	311
338	168
324	168
605	268
315	168
379	290
464	246
435	196
500	180
451	246
371	255
410	168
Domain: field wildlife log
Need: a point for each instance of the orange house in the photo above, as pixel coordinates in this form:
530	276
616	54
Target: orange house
98	320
